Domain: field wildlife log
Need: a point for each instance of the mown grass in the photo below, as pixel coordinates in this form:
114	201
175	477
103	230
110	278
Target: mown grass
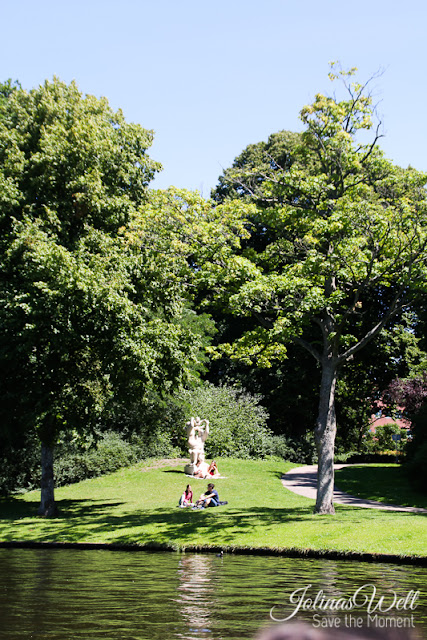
385	483
136	506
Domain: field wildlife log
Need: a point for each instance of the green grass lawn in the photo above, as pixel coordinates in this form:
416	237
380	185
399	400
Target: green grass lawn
139	506
384	482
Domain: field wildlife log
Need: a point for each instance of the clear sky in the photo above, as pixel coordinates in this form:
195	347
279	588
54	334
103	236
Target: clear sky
212	76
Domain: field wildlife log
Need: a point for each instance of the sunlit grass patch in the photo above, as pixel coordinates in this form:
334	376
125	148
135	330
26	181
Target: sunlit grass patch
135	506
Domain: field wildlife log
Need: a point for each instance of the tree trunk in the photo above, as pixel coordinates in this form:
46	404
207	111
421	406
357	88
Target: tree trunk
47	504
325	431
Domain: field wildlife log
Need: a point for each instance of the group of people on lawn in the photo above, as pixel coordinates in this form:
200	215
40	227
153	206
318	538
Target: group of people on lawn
212	471
209	498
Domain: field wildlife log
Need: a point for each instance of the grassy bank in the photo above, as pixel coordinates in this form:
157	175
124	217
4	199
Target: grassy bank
385	483
137	505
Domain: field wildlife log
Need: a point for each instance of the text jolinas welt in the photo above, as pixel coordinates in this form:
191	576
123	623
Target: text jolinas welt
364	597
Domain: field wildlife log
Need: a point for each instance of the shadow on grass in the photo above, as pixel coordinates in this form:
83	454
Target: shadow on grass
277	474
86	520
14	508
385	484
308	478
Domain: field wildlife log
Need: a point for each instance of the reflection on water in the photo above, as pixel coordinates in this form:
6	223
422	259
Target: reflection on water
196	600
79	594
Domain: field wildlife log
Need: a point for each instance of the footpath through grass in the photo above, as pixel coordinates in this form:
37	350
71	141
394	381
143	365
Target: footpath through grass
139	506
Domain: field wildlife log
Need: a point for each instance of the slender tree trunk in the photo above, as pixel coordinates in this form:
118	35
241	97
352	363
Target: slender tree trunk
47	503
326	428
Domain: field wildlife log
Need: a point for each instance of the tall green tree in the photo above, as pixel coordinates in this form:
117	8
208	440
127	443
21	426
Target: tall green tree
88	316
289	388
344	227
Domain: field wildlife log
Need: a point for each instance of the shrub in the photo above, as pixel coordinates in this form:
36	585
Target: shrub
156	426
20	467
380	458
111	452
238	428
108	454
238	423
417	468
301	451
382	440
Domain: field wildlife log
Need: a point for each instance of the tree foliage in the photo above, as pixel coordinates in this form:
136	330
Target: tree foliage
255	167
91	310
410	395
289	387
346	227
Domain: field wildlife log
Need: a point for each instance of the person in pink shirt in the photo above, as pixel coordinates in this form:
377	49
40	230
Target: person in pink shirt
186	500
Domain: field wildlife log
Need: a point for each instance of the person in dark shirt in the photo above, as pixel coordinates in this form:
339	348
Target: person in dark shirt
208	499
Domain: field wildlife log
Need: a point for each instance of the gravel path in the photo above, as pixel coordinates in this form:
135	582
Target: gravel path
302	480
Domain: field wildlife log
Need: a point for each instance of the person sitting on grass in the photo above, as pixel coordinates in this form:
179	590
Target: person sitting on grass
208	499
186	500
198	471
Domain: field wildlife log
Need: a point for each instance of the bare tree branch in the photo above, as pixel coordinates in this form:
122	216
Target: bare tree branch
308	347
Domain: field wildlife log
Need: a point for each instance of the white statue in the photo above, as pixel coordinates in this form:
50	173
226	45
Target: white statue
197	432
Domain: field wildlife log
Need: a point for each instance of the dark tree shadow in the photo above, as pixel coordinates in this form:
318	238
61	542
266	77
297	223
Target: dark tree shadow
14	508
214	526
277	474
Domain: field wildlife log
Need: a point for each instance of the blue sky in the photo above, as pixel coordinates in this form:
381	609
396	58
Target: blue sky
212	77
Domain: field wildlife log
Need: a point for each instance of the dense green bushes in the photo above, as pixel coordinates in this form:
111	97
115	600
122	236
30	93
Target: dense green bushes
382	439
371	458
19	464
238	423
301	450
112	451
20	468
417	468
417	450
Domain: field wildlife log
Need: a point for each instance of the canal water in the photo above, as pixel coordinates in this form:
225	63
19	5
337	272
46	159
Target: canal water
56	594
